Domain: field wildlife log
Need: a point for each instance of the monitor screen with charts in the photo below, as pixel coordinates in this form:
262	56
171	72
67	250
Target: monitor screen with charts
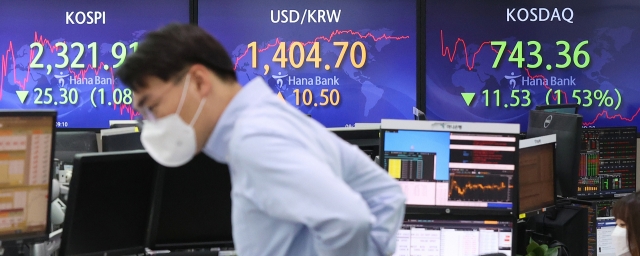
604	208
454	237
452	164
607	162
26	152
605	227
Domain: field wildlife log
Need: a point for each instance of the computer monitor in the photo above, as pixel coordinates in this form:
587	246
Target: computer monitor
366	138
192	207
607	162
124	123
604	208
591	223
450	166
568	224
605	226
454	237
109	203
26	161
68	144
567	128
559	108
121	142
536	169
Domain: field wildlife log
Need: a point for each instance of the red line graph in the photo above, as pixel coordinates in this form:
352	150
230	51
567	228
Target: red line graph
605	114
22	82
446	52
327	39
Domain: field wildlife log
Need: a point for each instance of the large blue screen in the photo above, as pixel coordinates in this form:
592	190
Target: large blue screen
340	61
62	55
494	61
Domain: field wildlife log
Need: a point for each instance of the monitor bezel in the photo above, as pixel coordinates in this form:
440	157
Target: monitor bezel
558	106
458	127
72	198
39	237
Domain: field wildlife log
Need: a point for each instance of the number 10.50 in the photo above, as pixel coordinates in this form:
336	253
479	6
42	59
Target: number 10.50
332	97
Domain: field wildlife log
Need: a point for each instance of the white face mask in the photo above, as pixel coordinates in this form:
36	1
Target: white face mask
620	243
169	140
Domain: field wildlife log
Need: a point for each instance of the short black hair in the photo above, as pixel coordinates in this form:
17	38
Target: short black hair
166	52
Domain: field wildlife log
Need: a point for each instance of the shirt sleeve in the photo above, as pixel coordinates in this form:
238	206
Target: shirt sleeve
382	194
290	183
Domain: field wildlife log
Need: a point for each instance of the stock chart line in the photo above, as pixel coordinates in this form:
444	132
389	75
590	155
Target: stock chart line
451	55
22	82
605	114
324	38
446	52
463	190
479	188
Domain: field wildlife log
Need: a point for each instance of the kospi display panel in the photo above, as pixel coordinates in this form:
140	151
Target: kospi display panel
63	55
494	61
342	62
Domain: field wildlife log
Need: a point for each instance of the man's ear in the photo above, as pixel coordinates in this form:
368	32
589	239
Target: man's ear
201	79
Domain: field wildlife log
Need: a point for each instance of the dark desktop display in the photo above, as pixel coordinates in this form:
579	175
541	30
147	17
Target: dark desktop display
63	56
341	62
493	61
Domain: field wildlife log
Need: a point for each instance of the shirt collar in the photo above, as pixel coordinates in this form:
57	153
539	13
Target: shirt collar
217	145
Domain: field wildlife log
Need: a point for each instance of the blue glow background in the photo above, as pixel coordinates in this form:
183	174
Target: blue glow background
126	21
384	88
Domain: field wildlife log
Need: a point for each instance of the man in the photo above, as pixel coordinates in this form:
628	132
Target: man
297	189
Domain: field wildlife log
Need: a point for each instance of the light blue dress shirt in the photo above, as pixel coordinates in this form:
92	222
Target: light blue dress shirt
297	188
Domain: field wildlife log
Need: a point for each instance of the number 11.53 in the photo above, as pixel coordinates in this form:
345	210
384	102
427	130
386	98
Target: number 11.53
521	98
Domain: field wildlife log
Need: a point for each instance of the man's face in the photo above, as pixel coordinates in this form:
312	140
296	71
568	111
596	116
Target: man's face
158	99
